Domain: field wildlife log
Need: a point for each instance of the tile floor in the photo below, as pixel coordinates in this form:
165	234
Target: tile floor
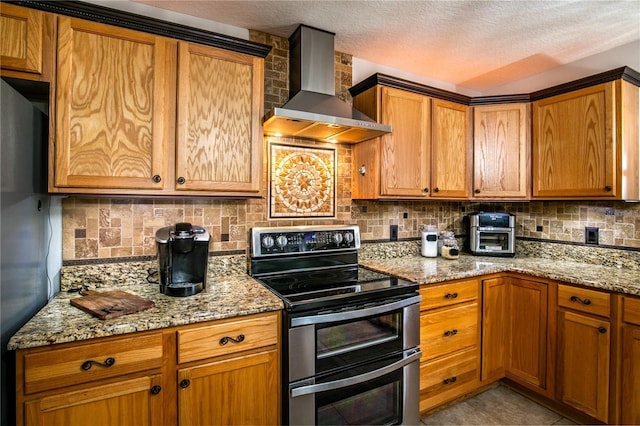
496	406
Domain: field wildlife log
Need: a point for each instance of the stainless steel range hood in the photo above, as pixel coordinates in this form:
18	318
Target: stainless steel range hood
313	111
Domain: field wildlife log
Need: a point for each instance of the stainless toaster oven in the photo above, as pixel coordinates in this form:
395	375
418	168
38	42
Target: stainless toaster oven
492	234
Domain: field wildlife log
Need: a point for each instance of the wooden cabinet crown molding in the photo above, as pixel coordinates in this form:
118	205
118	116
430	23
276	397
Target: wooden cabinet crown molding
147	24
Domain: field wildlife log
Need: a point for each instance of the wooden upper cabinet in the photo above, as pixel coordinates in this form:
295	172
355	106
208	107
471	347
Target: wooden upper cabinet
501	151
580	140
450	147
114	102
395	165
26	42
219	137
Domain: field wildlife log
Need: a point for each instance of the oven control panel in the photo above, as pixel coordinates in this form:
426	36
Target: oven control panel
300	239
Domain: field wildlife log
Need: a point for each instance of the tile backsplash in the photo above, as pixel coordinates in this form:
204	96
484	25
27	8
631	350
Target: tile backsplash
103	228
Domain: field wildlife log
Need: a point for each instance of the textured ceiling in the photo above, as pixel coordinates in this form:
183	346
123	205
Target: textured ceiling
473	44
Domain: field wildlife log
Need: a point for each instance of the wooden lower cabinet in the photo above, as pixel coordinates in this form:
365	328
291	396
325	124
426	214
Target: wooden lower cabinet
583	363
131	379
630	368
238	391
450	342
135	402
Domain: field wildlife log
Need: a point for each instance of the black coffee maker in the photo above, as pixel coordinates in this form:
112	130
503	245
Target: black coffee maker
183	253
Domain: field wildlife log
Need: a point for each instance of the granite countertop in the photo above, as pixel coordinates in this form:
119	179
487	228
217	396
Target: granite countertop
225	296
434	270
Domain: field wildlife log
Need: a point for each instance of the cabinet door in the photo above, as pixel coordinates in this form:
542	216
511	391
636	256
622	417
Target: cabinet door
573	144
240	391
114	97
21	38
219	135
631	375
495	314
583	363
527	331
130	402
405	152
501	151
450	148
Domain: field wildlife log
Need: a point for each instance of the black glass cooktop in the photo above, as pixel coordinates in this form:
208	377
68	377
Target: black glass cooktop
326	287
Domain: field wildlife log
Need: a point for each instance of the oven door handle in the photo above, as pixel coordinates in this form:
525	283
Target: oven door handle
354	314
337	384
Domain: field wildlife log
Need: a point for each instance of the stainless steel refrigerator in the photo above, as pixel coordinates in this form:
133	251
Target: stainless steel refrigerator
24	221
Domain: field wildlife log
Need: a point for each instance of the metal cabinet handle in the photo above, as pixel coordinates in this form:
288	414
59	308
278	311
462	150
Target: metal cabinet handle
156	389
184	383
577	299
451	295
362	170
107	363
450	380
451	332
608	188
425	190
436	189
157	178
226	339
602	330
181	180
477	191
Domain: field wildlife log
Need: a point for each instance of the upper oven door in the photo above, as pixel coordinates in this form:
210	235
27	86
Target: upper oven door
328	341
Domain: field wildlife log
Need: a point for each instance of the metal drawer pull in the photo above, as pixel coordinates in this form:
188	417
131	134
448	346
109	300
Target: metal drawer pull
107	363
602	330
451	295
450	380
184	383
451	332
577	299
226	339
156	389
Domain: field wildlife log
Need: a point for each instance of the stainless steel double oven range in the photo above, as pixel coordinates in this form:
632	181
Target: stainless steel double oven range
350	335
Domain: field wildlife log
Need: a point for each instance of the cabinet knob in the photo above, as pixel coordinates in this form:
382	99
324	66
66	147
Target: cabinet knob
157	178
425	190
608	188
156	390
181	180
184	383
362	170
602	330
106	364
477	191
436	189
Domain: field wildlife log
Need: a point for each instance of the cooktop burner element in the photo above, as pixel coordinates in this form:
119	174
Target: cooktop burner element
317	267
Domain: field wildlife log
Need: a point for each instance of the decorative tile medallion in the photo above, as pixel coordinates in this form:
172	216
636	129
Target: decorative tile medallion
302	181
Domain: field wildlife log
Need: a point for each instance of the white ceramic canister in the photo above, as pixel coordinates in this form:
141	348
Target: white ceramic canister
429	241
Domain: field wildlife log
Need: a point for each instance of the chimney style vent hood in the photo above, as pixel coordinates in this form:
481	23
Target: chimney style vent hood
313	111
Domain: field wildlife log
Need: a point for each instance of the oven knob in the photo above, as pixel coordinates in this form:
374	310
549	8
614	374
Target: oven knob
337	238
281	241
348	237
267	242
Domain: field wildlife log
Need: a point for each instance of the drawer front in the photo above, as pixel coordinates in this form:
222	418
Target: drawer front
584	300
85	363
448	330
227	337
448	294
448	378
631	313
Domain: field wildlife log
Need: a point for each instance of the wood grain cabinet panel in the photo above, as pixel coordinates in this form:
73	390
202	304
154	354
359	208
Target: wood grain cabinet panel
22	37
584	300
437	296
495	320
219	142
129	402
112	108
630	409
582	138
584	345
501	151
451	150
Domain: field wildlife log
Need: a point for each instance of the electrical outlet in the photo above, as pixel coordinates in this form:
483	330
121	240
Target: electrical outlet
405	215
539	228
393	233
591	235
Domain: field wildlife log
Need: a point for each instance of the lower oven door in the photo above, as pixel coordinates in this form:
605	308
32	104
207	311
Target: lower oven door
383	392
323	342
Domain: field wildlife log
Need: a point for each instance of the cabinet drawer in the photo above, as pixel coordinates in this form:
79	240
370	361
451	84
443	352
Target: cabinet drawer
448	330
584	300
631	312
448	378
227	337
55	368
448	294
